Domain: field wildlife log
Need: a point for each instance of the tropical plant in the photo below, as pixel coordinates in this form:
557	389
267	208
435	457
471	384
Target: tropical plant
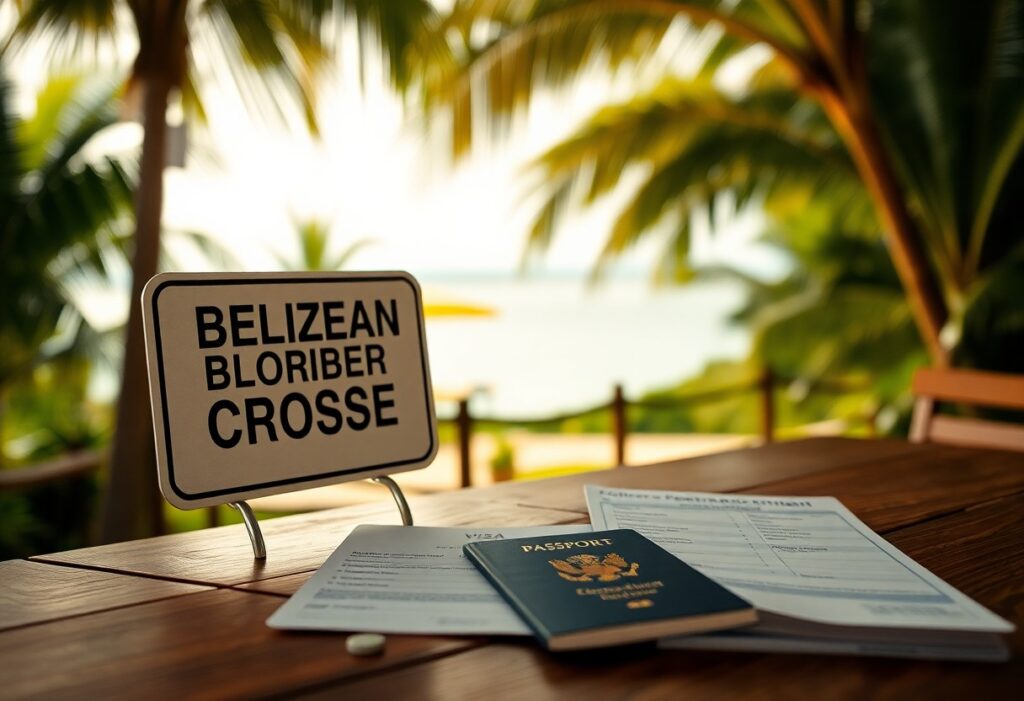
503	462
314	239
60	217
838	315
274	51
916	104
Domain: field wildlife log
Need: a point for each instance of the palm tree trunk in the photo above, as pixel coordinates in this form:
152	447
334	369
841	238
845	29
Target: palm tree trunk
846	99
131	510
905	243
133	507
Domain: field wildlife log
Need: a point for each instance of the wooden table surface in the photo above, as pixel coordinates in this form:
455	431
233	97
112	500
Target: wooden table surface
182	616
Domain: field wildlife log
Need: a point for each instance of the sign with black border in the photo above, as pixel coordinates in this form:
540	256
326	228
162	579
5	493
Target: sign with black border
263	383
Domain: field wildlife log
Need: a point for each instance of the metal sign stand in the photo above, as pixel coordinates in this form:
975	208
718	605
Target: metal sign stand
259	548
252	525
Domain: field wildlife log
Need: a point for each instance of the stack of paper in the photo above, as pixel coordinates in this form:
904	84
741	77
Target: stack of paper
822	581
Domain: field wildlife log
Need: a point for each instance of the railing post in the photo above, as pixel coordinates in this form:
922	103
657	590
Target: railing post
464	429
767	405
619	424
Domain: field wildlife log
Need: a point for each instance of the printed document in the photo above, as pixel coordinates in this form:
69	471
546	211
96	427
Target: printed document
820	578
407	579
803	557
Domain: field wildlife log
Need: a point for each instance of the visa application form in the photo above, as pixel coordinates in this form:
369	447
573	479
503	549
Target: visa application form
806	558
407	579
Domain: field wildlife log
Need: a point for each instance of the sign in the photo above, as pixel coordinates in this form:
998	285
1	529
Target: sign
264	383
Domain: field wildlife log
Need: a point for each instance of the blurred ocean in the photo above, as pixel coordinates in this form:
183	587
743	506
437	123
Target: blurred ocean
556	344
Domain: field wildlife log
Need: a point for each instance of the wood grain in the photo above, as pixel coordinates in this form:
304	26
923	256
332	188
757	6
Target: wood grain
970	387
223	556
515	671
208	645
280	586
980	551
735	470
959	430
32	592
958	511
907	489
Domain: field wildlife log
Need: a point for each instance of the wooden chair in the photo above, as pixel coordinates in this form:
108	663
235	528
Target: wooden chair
972	387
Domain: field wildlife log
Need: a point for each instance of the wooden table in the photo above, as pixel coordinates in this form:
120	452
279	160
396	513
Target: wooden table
183	615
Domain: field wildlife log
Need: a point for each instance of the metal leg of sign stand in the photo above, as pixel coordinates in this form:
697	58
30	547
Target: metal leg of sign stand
259	548
400	502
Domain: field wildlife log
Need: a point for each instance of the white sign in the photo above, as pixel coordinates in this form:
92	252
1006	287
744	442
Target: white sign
264	383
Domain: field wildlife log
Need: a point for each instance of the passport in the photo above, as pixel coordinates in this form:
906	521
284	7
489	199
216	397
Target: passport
605	588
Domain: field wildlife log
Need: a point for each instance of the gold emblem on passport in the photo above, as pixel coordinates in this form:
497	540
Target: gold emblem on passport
586	567
640	604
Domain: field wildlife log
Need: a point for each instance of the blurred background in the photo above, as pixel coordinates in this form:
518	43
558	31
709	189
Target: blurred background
645	229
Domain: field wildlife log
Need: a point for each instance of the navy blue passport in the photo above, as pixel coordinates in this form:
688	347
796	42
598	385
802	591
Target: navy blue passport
605	588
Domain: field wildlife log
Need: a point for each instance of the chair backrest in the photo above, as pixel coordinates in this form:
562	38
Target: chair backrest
973	387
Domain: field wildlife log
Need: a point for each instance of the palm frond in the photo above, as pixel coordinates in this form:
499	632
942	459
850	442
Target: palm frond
502	51
400	33
1001	131
694	144
269	54
673	265
275	52
70	110
992	332
844	330
954	119
11	157
72	35
59	215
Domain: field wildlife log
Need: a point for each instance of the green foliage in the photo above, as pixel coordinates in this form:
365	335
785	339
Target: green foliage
993	323
314	239
841	311
695	145
492	56
59	221
943	83
274	51
503	462
727	397
948	83
59	215
48	413
47	518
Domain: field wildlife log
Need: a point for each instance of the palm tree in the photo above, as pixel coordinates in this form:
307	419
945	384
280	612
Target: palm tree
314	239
58	214
918	103
275	51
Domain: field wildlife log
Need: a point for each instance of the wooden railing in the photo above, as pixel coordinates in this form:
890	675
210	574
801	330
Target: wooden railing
765	385
87	461
80	462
